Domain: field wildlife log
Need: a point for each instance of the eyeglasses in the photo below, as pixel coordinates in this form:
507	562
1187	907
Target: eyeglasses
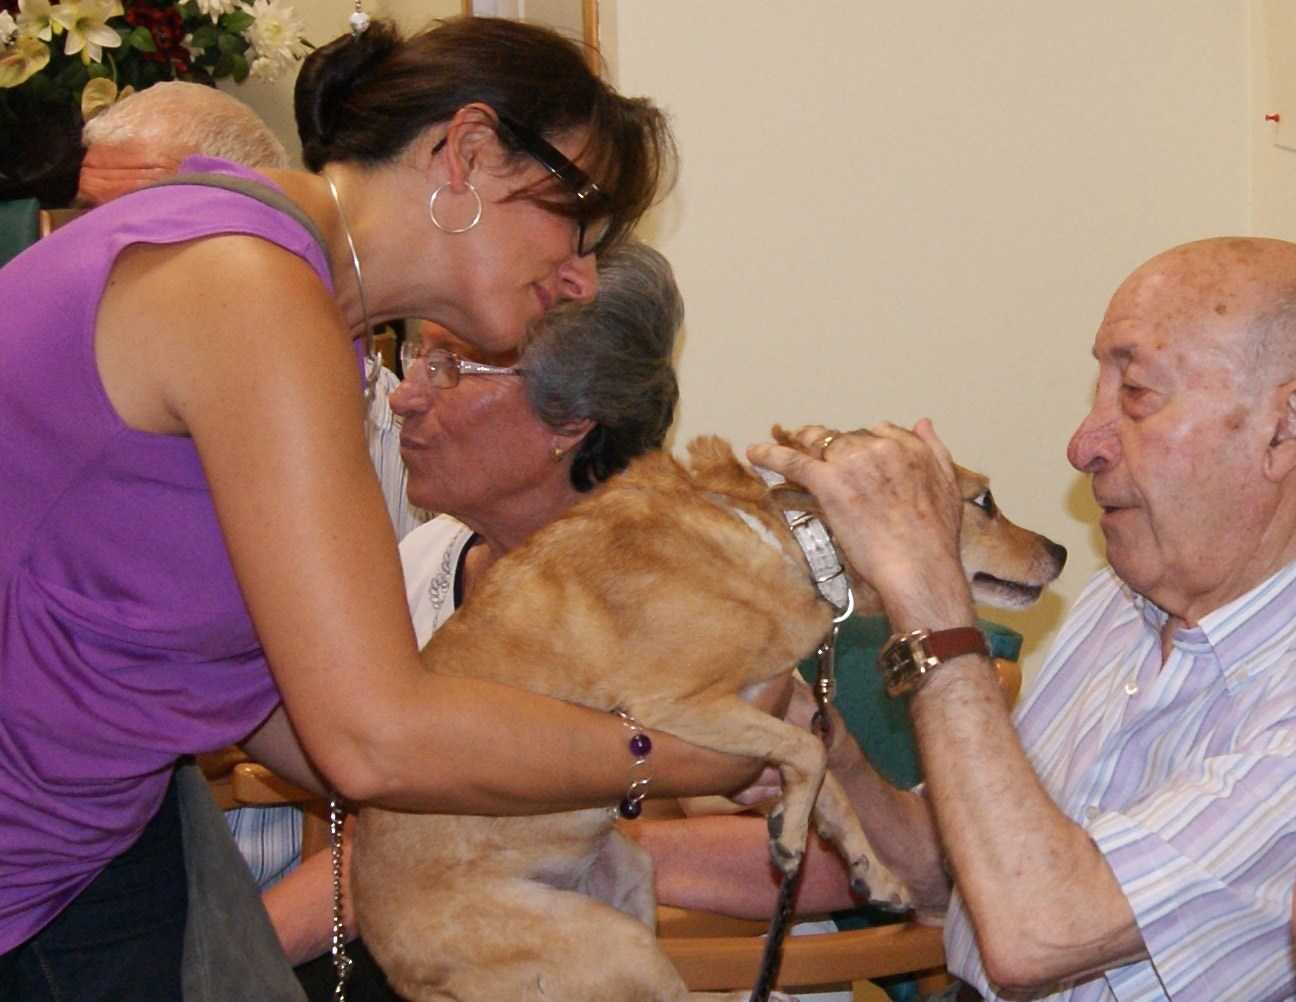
443	368
593	226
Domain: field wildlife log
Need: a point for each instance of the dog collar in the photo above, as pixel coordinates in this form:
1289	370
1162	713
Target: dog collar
826	570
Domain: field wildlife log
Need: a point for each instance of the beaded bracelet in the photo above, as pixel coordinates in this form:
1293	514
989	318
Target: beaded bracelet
640	745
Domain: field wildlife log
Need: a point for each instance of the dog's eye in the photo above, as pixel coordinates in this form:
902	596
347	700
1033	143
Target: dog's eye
984	501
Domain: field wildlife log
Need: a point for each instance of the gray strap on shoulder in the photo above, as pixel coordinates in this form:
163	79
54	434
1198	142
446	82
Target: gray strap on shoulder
252	189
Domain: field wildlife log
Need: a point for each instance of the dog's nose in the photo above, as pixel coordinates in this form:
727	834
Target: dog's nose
1057	552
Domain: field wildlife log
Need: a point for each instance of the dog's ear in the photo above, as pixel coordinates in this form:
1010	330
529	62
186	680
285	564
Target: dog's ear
793	497
782	436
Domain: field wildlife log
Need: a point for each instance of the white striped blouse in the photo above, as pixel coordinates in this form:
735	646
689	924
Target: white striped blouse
1185	779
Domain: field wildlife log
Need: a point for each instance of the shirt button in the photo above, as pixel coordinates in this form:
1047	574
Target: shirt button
1091	811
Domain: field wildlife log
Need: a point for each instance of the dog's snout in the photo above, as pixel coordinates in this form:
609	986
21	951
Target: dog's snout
1057	551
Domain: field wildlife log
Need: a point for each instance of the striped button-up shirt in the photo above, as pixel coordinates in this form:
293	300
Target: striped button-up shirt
1184	776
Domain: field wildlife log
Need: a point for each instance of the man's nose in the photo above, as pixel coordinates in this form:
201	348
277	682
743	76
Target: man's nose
1095	445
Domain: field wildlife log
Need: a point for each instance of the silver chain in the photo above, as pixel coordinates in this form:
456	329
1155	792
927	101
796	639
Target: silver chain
341	962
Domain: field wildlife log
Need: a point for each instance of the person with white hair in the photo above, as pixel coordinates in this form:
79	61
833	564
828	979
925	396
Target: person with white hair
144	137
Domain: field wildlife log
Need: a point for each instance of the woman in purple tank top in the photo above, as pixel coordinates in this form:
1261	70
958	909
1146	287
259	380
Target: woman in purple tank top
191	530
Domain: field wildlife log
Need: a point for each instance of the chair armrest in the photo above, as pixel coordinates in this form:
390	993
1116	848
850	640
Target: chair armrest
254	786
684	923
713	963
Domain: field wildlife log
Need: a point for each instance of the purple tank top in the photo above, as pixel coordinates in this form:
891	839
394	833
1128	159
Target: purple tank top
124	640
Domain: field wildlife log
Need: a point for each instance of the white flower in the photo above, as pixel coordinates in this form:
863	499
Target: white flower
8	28
264	69
215	8
85	22
194	50
35	19
276	38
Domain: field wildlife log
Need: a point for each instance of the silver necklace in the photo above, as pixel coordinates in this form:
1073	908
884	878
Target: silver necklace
372	361
342	962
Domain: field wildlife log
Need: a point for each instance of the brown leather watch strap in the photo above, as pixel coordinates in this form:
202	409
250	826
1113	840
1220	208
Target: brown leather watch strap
946	644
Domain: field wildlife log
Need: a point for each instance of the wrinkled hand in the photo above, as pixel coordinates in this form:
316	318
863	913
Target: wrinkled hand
892	501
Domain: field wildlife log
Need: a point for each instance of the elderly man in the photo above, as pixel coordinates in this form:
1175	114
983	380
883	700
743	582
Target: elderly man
143	137
1134	835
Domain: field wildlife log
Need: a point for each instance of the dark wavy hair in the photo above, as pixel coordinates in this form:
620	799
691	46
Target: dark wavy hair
610	361
365	99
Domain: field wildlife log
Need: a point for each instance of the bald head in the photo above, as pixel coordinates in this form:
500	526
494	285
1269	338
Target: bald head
1241	290
1191	439
144	137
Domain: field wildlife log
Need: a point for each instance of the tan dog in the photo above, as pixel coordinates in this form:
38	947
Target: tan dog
655	596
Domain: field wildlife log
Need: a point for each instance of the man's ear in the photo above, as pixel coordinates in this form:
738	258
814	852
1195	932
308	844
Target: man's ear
1280	458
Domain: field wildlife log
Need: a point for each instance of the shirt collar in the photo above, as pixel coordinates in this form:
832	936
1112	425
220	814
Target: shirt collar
1238	629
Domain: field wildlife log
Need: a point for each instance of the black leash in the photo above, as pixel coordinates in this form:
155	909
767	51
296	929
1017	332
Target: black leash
825	689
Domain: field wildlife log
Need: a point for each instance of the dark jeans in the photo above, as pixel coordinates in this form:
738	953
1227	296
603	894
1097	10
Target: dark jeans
121	939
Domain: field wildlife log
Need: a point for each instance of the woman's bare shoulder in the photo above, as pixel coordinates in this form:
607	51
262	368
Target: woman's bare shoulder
215	303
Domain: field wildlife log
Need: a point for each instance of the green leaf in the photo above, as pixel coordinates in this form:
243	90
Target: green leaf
205	37
237	21
142	40
224	66
72	77
189	9
230	44
98	70
240	67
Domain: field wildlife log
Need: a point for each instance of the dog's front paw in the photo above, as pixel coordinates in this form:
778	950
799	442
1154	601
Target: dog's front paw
871	881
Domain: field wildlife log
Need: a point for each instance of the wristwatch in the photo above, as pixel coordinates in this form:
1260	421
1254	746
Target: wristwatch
908	658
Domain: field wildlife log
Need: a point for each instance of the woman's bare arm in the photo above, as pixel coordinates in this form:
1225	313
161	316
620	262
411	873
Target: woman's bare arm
204	339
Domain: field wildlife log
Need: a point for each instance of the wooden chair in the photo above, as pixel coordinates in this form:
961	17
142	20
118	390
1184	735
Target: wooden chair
719	953
711	961
237	781
52	219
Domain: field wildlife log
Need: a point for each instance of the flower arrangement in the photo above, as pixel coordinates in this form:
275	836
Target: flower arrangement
82	55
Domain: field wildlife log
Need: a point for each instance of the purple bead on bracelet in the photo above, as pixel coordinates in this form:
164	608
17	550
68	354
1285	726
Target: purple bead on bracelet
640	745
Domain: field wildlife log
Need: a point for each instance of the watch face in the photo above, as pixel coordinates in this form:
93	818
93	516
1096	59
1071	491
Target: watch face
900	662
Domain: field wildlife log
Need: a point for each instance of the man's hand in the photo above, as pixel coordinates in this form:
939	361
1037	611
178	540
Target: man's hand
891	498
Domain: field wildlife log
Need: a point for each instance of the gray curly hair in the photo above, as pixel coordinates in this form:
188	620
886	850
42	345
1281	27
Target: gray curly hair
609	361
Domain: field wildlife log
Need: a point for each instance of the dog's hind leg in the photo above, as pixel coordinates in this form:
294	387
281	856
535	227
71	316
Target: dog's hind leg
728	724
835	820
622	876
516	940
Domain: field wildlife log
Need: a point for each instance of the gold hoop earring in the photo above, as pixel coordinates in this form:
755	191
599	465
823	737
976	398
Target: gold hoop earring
451	229
558	454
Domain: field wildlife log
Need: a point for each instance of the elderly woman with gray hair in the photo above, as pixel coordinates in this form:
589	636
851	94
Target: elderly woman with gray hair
501	446
503	449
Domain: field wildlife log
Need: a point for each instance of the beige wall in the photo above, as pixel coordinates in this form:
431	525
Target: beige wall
324	20
890	210
895	210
